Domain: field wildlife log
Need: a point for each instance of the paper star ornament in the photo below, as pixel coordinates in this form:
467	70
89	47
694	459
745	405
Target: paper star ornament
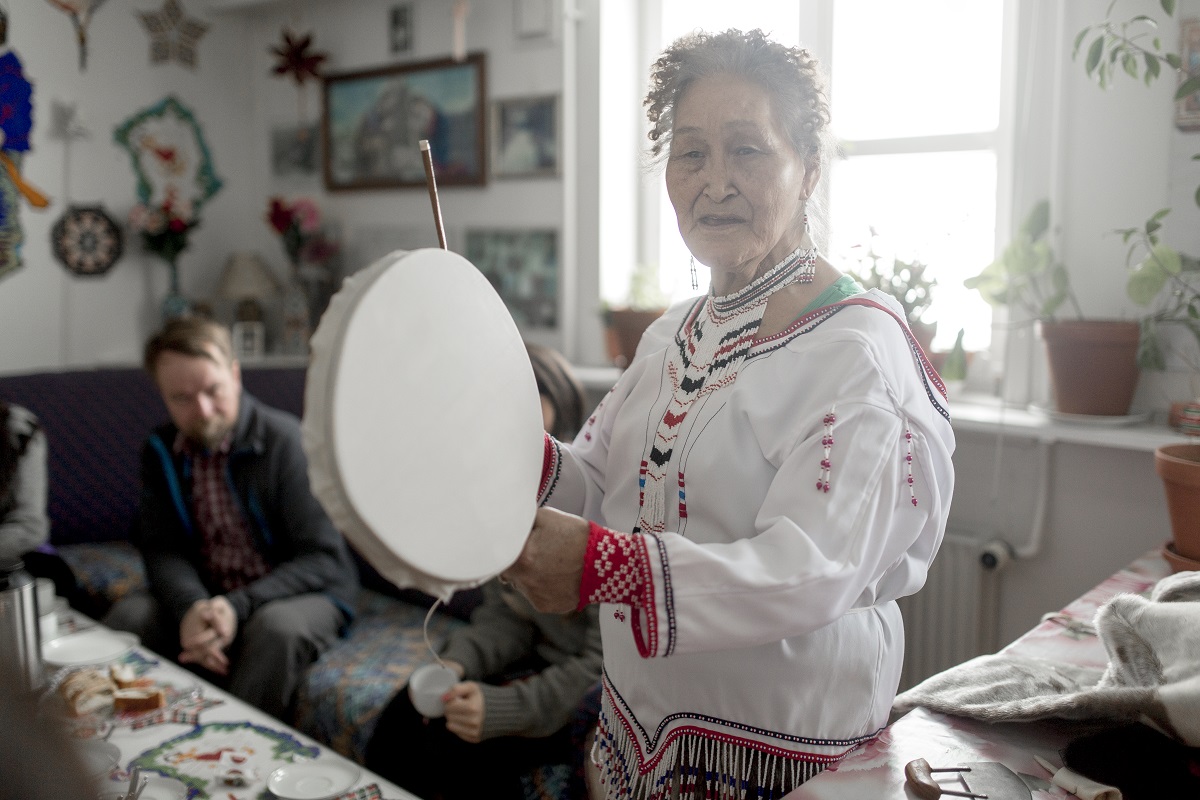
173	34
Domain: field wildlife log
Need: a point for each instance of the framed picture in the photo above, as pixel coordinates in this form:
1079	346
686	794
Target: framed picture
525	137
1187	110
522	265
294	150
400	28
373	122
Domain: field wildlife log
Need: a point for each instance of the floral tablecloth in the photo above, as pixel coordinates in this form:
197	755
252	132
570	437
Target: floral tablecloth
876	772
207	742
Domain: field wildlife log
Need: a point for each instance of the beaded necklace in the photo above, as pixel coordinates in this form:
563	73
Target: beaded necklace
709	349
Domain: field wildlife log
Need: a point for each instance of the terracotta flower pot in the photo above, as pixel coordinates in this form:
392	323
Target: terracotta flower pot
625	327
1093	365
1179	467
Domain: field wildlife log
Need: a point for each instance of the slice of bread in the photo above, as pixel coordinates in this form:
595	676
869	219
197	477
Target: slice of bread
137	700
87	691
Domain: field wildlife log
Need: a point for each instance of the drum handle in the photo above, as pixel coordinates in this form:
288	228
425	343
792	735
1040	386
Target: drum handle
431	184
425	631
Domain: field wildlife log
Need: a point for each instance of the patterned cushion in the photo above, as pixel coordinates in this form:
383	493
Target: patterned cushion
106	571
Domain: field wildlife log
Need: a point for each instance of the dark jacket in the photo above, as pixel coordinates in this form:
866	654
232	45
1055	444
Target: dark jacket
268	472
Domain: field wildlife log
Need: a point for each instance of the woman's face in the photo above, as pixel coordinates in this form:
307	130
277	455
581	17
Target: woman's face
738	186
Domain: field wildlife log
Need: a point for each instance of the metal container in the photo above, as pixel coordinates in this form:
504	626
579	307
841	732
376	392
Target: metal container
20	638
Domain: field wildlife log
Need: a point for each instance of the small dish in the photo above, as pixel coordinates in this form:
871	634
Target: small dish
91	646
314	780
1122	421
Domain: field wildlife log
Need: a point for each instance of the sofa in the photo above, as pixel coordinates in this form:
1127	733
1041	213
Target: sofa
95	421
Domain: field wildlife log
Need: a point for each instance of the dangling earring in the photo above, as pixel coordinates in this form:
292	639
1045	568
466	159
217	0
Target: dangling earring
695	280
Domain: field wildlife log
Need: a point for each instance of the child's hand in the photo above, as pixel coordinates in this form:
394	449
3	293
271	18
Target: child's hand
464	711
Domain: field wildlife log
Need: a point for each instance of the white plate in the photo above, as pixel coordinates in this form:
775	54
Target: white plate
92	646
1092	419
312	781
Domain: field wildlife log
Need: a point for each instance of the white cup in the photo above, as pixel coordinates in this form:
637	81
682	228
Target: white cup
426	687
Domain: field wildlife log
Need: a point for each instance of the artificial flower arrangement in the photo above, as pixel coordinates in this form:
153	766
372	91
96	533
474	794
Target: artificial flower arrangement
298	223
165	227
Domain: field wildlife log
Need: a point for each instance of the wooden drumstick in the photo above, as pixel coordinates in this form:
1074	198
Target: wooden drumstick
431	184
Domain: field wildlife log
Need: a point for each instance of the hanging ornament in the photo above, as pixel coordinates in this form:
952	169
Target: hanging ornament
169	154
173	34
86	240
458	47
81	12
295	58
16	123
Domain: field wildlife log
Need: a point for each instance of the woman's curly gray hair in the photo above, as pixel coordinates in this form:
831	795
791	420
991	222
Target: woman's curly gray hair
790	74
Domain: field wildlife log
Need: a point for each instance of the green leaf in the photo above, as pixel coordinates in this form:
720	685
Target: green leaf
1190	86
1038	221
1198	195
1130	65
1094	54
1168	6
1079	37
1174	60
1145	282
1167	258
1152	68
1150	353
1158	215
1151	21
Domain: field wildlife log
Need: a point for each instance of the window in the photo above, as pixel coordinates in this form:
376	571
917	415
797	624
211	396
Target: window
916	98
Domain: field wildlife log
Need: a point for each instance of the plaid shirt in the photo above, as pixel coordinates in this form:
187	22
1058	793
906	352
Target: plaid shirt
228	545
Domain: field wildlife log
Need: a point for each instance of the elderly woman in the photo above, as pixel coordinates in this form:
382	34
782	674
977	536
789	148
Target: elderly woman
765	479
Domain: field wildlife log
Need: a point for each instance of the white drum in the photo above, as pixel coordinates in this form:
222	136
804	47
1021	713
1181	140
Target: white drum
422	423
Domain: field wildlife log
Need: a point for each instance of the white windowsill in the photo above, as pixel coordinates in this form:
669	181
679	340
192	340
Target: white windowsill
984	414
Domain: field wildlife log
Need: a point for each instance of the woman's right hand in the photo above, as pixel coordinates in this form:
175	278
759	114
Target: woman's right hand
550	567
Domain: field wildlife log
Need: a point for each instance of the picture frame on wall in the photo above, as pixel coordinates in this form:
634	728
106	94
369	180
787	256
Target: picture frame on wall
400	28
1187	110
524	132
522	265
372	122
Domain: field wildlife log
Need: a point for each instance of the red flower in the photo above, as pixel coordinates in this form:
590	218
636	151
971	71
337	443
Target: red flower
176	225
280	215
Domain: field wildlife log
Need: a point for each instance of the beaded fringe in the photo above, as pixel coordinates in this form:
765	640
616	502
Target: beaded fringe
692	767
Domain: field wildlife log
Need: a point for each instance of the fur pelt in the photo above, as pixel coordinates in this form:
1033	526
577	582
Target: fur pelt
1153	673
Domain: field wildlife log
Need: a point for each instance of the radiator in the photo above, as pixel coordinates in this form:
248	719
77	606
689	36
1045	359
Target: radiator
955	616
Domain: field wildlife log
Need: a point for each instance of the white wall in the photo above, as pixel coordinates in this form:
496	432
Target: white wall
51	319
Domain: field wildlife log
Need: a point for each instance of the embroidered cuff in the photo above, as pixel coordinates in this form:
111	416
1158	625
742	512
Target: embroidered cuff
551	465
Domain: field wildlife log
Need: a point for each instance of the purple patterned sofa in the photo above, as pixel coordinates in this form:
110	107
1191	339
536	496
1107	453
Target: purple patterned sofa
95	421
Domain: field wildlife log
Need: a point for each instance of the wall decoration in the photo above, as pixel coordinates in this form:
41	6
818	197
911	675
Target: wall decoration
81	12
522	265
169	154
533	19
400	28
173	34
295	58
373	121
524	135
16	123
295	150
86	240
175	178
1187	110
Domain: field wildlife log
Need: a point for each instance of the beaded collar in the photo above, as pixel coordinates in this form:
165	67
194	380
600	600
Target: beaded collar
709	350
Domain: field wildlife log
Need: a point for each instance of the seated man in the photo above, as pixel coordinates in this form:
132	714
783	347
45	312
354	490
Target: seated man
248	578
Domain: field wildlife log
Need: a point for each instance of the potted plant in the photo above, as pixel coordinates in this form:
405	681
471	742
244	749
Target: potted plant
1093	362
625	324
1160	277
907	281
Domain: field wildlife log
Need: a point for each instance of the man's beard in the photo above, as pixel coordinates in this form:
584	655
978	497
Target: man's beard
211	433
